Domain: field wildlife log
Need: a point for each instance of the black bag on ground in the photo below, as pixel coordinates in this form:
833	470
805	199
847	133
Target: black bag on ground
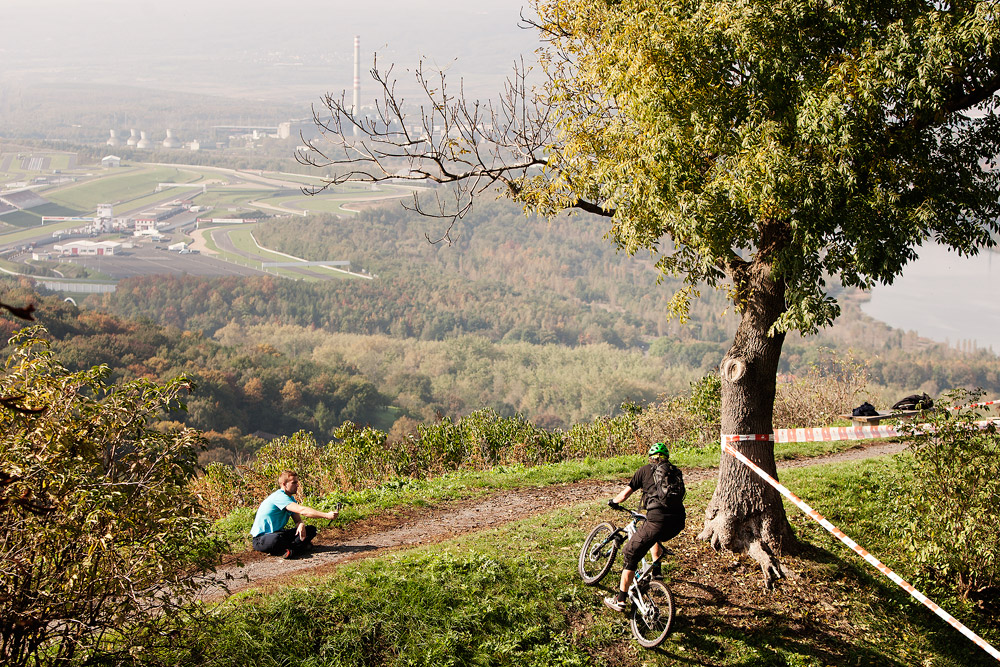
914	402
866	409
668	482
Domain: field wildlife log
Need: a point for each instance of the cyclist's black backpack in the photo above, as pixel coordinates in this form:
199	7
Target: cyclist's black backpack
668	484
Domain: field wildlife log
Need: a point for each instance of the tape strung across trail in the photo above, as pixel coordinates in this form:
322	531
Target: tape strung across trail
835	433
849	433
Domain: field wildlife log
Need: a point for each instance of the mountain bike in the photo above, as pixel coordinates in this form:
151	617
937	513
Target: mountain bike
651	610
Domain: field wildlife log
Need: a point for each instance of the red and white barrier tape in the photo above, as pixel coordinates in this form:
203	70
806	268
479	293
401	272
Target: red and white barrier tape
835	433
875	562
972	405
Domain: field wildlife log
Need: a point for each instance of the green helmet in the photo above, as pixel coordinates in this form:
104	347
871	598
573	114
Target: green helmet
659	449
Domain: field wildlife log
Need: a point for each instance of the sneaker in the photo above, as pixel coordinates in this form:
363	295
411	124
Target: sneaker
655	572
614	603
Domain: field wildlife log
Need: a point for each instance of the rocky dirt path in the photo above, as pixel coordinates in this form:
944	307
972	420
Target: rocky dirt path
427	525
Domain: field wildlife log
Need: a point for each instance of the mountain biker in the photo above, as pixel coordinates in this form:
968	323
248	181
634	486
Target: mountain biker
664	517
269	533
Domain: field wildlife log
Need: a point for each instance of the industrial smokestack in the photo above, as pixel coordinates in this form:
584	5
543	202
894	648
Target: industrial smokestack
356	108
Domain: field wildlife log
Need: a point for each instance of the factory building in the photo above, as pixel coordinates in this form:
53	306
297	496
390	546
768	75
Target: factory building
87	248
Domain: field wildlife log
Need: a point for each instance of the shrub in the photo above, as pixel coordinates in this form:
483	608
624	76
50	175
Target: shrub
102	540
360	457
484	439
604	437
830	387
947	513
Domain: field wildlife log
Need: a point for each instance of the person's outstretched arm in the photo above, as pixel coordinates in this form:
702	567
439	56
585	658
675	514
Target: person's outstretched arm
299	511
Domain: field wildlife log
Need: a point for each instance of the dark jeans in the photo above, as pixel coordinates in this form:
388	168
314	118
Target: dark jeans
276	543
648	534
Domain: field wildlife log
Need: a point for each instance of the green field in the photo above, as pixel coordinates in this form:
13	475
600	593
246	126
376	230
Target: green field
242	238
304	179
135	183
217	198
33	217
328	205
22	219
57	162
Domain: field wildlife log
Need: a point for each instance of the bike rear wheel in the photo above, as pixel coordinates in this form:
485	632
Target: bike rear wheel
598	554
651	628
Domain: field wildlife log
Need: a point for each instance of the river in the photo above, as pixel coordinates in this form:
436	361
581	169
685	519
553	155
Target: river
944	297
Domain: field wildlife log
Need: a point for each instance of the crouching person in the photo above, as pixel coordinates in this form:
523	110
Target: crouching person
269	533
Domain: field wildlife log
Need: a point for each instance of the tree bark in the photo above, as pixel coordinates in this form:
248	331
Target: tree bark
745	514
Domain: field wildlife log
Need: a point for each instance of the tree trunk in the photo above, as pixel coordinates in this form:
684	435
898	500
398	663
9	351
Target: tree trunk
745	514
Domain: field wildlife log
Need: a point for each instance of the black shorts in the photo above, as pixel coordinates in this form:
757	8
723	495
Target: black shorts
648	534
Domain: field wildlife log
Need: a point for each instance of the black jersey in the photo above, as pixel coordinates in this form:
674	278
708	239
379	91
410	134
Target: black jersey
643	479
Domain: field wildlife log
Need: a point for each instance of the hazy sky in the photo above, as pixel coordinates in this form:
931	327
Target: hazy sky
255	48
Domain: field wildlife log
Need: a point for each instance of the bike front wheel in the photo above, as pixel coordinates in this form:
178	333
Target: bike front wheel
598	554
653	626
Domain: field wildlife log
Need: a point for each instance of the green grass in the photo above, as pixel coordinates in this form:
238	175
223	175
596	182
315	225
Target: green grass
468	484
325	205
242	238
304	179
853	497
59	161
216	198
134	183
22	219
511	596
145	201
243	241
32	217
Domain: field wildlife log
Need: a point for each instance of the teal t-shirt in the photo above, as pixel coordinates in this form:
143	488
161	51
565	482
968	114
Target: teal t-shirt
272	515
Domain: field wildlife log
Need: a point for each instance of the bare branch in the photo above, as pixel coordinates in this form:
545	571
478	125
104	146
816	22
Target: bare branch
447	139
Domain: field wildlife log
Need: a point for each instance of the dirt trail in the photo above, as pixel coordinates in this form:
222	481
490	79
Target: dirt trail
427	525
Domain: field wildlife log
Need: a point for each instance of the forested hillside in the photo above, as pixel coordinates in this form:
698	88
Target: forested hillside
239	390
507	278
517	315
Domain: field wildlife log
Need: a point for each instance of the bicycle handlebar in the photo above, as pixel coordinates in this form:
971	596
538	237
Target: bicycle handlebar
615	506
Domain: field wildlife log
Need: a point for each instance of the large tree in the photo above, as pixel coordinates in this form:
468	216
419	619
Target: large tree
761	147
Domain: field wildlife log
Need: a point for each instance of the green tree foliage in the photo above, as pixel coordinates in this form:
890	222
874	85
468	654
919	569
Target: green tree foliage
946	514
102	540
776	146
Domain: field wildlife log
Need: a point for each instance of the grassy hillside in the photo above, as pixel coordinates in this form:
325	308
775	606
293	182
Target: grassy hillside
511	596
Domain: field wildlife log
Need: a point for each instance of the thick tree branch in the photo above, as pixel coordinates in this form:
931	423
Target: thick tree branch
596	209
